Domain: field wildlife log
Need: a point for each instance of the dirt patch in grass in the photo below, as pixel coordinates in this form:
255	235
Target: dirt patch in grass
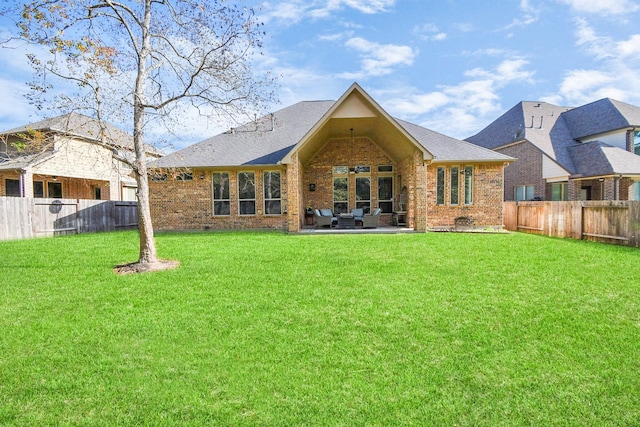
146	267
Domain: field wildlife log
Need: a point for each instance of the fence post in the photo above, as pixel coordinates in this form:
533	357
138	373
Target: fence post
634	224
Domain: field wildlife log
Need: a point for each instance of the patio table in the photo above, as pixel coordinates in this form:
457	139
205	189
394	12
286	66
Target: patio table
346	221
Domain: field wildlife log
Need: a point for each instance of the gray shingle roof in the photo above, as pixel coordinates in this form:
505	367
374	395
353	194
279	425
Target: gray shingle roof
597	158
267	141
555	131
264	142
601	116
22	161
447	149
84	127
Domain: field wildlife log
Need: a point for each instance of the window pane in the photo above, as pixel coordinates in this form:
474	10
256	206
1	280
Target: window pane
468	185
455	171
385	168
38	189
440	186
530	192
246	185
340	170
340	207
221	203
55	190
385	188
221	185
272	202
272	207
221	208
366	206
12	187
636	191
387	207
519	193
272	185
247	207
363	188
340	190
558	191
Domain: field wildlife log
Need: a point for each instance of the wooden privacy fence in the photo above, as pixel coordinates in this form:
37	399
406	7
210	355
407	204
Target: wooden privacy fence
615	222
22	218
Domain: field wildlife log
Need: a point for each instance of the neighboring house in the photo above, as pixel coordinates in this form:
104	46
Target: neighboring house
583	153
63	157
327	154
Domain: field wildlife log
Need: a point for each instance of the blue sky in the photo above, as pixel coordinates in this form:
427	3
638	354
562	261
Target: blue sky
449	65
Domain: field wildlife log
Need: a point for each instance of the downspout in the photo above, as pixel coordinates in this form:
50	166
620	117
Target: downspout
21	178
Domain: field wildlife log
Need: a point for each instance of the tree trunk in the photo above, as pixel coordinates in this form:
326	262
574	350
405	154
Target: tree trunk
147	241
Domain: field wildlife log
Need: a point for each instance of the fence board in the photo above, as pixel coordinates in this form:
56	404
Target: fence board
634	225
531	218
605	221
22	218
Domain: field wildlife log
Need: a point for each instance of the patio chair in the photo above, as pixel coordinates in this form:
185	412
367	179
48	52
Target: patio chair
357	213
371	220
325	218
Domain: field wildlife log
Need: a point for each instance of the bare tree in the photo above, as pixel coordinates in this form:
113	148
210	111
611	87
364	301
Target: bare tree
152	59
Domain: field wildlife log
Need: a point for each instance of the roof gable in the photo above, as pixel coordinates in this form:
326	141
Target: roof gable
357	111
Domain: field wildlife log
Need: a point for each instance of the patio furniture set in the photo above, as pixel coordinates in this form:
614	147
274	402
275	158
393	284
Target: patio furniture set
326	218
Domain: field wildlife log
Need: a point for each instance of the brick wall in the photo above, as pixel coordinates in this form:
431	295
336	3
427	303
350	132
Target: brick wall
526	170
486	209
183	205
340	152
188	205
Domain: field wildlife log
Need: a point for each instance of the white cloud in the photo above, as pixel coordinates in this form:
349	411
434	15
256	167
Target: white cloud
529	15
378	59
429	32
614	76
294	11
462	109
605	7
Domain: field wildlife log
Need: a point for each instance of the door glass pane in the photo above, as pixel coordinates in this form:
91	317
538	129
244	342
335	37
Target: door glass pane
385	194
363	193
340	195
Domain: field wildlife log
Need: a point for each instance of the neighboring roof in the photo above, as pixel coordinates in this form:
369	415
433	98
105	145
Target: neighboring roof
22	162
604	115
596	158
84	127
556	131
272	139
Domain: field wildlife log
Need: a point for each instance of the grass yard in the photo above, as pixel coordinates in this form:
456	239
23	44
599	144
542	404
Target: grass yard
272	329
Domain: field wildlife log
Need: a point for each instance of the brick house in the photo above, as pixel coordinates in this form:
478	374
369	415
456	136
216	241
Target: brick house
584	153
63	157
327	154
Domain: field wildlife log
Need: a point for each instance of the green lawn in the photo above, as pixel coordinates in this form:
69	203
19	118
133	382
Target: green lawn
271	329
